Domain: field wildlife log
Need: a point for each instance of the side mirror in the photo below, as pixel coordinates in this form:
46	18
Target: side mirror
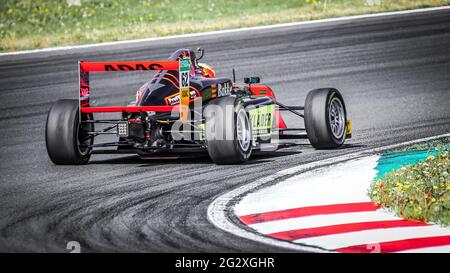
252	80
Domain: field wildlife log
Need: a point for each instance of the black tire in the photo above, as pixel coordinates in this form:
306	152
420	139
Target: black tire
221	117
64	132
317	118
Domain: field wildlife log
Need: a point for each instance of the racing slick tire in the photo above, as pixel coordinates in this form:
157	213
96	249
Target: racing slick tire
228	131
325	118
64	134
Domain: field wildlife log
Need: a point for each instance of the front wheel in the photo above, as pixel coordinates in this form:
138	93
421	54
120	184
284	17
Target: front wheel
325	118
228	131
67	138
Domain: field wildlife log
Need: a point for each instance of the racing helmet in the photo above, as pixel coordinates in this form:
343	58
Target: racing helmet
207	71
184	52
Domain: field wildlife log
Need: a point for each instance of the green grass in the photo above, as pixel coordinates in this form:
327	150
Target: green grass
27	24
439	143
417	192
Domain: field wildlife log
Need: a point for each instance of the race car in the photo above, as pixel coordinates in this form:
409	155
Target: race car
185	107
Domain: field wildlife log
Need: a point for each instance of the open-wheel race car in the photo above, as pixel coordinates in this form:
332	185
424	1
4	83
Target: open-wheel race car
186	107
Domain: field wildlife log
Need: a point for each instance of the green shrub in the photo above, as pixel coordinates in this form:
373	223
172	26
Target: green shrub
417	192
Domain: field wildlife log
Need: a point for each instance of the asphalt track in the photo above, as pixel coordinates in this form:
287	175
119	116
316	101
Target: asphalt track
394	73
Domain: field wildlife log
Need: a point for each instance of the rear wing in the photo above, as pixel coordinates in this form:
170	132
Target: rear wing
183	66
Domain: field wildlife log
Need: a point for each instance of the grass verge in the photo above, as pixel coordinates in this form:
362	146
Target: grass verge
417	192
30	24
440	143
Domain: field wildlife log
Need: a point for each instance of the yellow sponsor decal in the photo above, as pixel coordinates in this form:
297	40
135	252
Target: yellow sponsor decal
262	120
184	104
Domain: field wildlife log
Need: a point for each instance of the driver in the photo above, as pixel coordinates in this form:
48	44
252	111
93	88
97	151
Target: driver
164	83
197	69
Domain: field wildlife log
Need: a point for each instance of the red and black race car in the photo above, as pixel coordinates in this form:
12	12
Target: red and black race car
186	107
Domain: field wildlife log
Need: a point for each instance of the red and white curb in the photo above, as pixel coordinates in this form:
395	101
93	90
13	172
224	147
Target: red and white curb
329	207
325	208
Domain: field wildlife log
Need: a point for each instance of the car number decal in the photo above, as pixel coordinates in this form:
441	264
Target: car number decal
185	66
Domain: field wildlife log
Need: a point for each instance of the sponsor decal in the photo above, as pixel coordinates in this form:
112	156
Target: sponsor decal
184	96
175	98
185	64
224	89
134	67
262	120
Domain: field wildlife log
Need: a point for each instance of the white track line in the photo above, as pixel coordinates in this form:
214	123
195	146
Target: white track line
321	221
434	249
356	238
227	31
318	183
218	210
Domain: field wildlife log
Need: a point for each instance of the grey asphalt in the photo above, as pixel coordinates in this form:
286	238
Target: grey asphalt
394	73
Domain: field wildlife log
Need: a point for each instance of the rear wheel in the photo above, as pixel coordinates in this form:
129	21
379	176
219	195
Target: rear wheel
228	131
66	137
325	118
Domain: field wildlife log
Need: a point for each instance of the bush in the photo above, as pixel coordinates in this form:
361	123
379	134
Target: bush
417	192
